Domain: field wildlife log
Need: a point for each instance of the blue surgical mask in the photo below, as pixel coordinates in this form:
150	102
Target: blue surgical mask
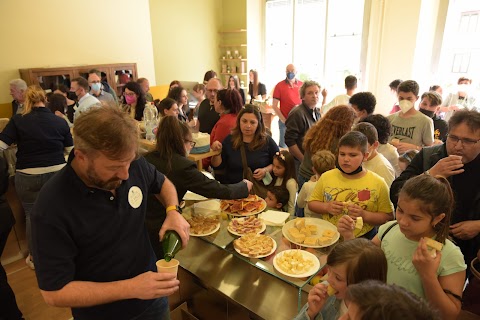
96	86
290	75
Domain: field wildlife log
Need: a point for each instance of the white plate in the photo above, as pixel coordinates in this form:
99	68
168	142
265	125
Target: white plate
260	256
208	233
306	255
263	227
321	224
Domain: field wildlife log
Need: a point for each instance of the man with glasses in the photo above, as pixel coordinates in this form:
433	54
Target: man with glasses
207	116
457	160
85	100
96	86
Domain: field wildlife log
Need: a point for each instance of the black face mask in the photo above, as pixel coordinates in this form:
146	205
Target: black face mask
358	170
428	113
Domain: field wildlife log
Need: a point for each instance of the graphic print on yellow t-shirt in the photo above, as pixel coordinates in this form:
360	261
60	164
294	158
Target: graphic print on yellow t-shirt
369	192
362	198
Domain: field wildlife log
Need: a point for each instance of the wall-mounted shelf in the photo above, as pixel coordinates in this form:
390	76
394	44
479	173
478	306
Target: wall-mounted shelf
236	73
232	45
233	59
233	31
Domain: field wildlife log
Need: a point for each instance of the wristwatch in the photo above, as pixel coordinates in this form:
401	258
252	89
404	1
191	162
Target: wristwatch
174	208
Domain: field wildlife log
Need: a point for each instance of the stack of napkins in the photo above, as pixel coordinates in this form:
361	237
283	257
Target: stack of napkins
206	208
274	218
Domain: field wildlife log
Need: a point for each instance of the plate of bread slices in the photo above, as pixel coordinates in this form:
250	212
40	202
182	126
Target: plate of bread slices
243	226
311	232
254	245
248	206
296	263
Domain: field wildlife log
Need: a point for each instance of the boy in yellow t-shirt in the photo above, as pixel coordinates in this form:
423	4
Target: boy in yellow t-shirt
351	189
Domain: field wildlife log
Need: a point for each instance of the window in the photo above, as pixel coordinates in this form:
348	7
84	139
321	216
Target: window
314	35
460	62
468	22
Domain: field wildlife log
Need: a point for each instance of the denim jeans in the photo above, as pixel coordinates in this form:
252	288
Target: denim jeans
158	310
282	128
28	187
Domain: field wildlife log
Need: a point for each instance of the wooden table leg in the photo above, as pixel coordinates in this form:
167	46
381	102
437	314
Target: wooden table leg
199	165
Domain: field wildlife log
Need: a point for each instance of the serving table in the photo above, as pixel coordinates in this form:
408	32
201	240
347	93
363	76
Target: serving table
249	283
149	146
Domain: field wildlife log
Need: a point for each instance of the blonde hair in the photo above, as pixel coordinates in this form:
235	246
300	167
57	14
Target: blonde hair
33	95
323	161
108	130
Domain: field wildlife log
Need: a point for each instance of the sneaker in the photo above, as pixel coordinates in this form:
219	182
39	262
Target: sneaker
29	262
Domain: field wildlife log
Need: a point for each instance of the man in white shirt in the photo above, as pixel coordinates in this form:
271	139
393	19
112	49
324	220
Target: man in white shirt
342	99
376	162
85	100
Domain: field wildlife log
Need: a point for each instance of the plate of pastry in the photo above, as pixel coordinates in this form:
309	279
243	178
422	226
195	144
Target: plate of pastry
201	226
243	226
248	206
254	245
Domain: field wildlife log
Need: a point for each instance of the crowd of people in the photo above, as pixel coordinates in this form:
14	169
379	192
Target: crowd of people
409	176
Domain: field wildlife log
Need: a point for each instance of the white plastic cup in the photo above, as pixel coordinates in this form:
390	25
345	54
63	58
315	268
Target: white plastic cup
168	267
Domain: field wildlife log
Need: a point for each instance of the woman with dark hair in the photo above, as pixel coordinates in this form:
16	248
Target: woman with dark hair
234	83
255	87
167	107
71	103
42	140
209	75
174	84
180	95
227	103
58	105
324	135
249	134
174	142
134	100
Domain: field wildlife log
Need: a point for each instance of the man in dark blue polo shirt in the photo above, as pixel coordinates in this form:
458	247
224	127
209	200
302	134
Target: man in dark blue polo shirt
92	251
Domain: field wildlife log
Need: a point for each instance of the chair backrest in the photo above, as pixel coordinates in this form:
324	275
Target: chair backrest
3	123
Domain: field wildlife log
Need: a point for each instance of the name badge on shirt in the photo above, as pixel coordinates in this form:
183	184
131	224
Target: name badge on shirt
135	197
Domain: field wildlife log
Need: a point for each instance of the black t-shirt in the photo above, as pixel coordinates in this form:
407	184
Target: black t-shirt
87	234
207	116
262	90
41	138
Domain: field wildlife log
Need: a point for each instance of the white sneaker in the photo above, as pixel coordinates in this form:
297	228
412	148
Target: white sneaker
29	262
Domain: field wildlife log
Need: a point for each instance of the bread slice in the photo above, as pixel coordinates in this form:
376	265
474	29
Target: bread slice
293	232
324	240
328	233
300	223
359	223
310	241
330	290
299	238
433	246
312	228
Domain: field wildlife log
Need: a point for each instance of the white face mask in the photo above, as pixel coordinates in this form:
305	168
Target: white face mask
405	105
463	88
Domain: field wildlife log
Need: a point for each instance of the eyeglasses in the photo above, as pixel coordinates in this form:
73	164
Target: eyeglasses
465	142
131	94
192	143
